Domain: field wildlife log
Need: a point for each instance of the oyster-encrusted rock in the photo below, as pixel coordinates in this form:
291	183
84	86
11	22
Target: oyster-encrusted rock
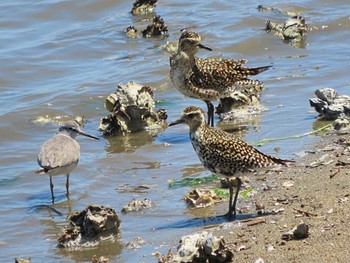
137	205
133	109
241	104
200	247
156	29
131	32
90	226
330	105
143	7
293	30
201	198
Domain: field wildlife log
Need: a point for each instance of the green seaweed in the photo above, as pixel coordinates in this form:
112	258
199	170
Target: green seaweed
194	181
267	140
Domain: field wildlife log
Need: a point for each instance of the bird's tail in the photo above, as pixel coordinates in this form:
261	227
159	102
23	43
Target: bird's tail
41	171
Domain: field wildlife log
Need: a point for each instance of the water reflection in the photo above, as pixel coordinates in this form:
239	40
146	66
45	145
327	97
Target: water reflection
129	143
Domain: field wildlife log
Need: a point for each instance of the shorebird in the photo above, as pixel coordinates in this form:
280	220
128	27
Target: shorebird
207	79
223	153
61	153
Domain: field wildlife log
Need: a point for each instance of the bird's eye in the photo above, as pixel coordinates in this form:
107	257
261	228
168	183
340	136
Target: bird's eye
191	115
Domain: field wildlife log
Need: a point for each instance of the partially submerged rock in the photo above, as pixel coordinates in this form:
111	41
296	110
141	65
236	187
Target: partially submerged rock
90	226
293	30
332	106
137	205
241	103
202	198
143	7
131	32
132	109
200	247
100	259
158	28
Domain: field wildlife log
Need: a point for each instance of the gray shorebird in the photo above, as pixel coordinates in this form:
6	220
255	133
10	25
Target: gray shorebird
61	153
207	79
223	153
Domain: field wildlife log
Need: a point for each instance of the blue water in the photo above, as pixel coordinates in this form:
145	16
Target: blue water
60	59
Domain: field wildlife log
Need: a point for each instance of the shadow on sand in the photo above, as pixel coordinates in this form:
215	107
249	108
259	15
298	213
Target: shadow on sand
206	221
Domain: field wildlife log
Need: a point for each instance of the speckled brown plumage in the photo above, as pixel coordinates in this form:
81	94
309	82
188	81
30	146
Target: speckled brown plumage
207	79
222	152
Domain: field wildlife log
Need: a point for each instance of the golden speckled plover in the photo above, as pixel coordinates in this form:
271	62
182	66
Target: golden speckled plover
223	153
207	79
61	153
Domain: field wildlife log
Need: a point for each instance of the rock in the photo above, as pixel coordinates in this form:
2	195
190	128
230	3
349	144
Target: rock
330	105
293	30
302	231
241	103
341	124
136	205
135	244
132	109
156	29
101	259
143	7
131	32
23	260
299	232
201	198
90	226
201	247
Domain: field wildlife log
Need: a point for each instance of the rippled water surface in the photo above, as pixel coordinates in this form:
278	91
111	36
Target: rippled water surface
61	58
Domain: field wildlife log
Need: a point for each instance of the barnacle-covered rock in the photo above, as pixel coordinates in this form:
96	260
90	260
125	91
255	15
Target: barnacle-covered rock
293	30
143	7
132	109
156	29
201	198
90	226
330	105
242	103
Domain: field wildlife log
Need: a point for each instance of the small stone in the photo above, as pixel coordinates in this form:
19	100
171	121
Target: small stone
269	248
302	231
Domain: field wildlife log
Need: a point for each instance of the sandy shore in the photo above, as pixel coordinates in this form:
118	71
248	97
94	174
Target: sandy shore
315	191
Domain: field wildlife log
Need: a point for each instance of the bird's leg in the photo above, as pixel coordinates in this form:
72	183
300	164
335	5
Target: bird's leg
51	188
230	202
67	186
210	113
239	184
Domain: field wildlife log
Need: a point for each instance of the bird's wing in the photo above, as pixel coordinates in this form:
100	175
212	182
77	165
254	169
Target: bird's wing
59	151
235	155
217	72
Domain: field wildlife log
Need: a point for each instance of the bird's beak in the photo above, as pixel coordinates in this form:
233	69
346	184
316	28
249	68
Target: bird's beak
179	121
200	45
88	135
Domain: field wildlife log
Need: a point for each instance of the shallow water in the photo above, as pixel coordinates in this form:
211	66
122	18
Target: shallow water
62	58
